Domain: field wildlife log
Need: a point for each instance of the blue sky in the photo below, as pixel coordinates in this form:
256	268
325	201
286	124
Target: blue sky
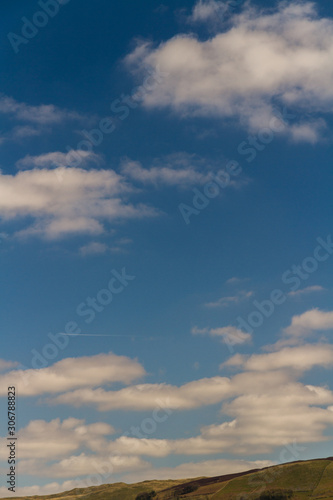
165	194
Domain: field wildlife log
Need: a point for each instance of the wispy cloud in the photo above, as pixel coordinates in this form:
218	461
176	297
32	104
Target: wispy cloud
306	291
58	159
208	10
93	248
231	300
45	114
98	248
235	281
228	334
181	170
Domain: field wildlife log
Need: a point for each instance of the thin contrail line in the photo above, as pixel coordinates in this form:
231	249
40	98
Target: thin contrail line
104	335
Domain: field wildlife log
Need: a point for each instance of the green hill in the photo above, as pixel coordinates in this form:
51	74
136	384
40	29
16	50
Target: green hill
311	479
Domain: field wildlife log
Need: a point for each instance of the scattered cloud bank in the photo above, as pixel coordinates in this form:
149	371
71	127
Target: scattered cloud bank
264	406
265	59
52	197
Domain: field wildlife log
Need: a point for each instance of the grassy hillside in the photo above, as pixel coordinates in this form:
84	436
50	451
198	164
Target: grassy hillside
303	480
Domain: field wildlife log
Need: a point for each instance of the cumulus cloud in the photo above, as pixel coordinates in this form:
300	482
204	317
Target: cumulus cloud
66	201
56	439
263	407
194	394
264	59
71	373
309	322
46	114
299	358
267	410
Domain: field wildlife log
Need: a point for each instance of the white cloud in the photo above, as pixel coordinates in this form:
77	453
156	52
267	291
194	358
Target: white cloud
234	299
297	358
228	334
71	373
58	159
42	115
264	59
264	407
306	291
309	322
7	365
66	201
268	410
56	439
194	394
